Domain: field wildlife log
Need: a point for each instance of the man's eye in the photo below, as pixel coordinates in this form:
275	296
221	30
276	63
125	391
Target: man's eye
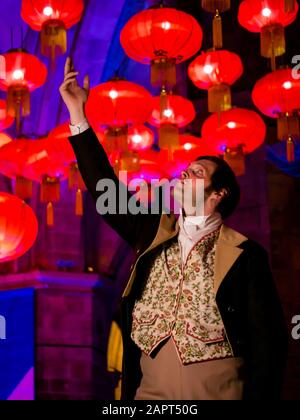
199	172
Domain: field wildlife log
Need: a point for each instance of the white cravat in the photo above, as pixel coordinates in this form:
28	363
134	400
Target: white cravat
193	228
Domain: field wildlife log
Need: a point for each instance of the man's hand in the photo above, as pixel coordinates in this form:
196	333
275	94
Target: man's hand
72	94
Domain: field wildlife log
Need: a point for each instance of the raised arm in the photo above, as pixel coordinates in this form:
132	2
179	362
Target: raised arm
94	165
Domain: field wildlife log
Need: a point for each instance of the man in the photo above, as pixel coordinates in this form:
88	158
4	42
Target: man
201	318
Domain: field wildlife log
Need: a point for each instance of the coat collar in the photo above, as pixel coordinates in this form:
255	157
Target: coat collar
227	250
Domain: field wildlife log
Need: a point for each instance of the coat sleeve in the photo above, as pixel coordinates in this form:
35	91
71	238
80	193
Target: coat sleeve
267	336
94	166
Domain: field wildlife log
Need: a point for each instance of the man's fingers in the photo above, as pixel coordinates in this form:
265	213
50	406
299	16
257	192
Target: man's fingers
65	84
86	82
67	66
71	74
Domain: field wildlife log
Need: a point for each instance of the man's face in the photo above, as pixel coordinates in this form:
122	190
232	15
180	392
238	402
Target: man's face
190	190
200	169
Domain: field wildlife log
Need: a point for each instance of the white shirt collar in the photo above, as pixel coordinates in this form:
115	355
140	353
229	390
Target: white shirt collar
195	226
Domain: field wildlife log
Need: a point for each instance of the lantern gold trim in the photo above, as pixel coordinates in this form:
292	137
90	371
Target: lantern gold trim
272	42
163	72
219	98
168	138
53	39
213	5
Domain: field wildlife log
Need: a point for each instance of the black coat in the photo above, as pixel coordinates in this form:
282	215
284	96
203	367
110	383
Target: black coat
245	291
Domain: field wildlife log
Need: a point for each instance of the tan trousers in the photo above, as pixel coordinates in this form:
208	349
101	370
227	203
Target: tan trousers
166	378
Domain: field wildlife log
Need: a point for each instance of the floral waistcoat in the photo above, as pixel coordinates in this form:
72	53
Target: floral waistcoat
179	301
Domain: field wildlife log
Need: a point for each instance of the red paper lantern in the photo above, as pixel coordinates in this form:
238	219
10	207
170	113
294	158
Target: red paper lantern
45	166
18	227
52	18
161	37
13	158
233	134
216	71
58	141
116	105
269	17
140	138
177	112
190	147
277	95
24	73
5	119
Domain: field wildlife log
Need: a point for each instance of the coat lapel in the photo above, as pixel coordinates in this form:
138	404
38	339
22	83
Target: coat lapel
168	227
227	252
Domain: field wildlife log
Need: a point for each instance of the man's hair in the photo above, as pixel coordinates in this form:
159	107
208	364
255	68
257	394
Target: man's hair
223	178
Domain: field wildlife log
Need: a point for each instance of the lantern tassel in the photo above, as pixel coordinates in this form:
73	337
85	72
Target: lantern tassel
273	61
129	161
163	72
217	31
50	214
79	203
219	98
289	6
235	159
18	103
170	153
168	137
23	187
272	42
53	39
163	101
290	150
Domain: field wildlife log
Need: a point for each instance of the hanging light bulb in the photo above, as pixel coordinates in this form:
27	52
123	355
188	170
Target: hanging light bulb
48	11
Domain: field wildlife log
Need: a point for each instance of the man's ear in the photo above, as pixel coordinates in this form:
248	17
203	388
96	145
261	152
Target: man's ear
219	195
